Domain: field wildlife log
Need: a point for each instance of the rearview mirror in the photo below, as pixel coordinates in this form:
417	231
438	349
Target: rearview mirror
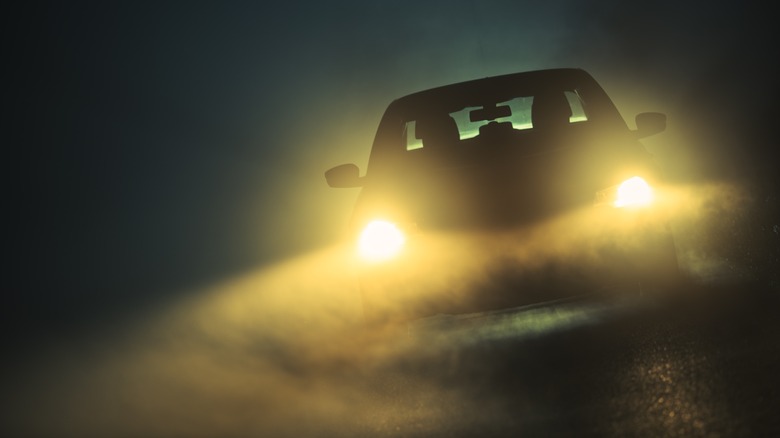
490	113
344	176
648	124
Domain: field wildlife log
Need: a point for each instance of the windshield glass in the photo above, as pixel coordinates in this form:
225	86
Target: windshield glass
512	116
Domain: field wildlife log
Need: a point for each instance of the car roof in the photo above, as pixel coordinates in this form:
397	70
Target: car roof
497	88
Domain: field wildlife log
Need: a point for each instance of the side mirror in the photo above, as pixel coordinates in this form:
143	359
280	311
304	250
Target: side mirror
648	124
344	176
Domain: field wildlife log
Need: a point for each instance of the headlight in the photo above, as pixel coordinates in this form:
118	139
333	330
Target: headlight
633	192
380	240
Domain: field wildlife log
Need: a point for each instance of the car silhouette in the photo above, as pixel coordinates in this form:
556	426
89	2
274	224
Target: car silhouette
462	178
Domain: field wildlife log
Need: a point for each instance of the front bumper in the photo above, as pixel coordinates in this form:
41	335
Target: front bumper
595	251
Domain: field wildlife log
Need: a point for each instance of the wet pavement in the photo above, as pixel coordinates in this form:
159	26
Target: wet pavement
705	365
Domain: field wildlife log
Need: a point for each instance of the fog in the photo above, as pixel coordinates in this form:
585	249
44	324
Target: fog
284	350
180	267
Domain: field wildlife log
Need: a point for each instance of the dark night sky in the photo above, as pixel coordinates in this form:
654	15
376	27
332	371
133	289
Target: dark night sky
155	146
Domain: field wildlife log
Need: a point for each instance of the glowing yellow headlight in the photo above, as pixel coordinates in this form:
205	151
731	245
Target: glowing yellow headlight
633	192
380	240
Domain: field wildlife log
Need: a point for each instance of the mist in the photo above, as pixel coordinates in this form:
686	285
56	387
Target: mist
284	350
180	267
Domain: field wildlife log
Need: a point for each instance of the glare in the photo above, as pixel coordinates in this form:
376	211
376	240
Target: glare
380	240
634	192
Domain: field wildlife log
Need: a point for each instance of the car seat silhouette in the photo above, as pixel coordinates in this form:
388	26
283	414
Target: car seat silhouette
550	110
437	132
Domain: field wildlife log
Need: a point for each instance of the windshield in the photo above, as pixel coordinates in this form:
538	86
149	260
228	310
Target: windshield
472	121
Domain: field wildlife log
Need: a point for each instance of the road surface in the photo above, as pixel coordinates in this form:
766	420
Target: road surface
705	365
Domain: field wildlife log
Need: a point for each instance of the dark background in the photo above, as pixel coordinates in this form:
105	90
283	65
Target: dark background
153	147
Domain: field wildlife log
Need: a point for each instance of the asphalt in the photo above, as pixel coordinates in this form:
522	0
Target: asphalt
701	364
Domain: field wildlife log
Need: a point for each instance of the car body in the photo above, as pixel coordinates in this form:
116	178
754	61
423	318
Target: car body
504	191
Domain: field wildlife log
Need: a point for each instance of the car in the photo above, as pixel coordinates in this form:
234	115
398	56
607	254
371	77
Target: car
505	191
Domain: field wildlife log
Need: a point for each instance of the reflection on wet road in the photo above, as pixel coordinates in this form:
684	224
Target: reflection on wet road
523	322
